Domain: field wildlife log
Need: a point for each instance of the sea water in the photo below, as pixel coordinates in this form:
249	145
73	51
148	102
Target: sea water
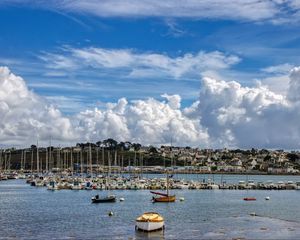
36	213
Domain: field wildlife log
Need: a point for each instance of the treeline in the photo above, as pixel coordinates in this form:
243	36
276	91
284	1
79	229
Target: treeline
112	144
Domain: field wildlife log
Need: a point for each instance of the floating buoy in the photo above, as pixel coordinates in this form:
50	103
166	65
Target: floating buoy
110	213
181	199
122	199
267	198
253	214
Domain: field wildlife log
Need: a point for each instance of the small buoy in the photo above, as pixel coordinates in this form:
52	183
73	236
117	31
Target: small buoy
267	198
181	199
122	199
253	214
110	213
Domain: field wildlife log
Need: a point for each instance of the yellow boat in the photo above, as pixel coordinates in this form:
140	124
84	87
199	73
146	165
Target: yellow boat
150	221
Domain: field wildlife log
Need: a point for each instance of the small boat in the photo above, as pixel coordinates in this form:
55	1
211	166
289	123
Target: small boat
109	198
163	197
150	221
52	186
249	199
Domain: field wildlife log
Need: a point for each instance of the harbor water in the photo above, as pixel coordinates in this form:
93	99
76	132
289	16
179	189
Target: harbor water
35	213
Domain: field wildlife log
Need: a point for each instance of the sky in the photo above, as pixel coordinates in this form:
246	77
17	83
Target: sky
210	73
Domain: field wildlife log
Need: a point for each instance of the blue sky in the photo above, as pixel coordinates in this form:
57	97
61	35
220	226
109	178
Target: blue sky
209	73
31	31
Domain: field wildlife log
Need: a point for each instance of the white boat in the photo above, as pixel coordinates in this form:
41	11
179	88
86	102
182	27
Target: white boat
76	186
52	186
150	221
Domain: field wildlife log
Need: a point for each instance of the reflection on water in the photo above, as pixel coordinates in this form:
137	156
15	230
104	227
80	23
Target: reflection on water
156	235
29	212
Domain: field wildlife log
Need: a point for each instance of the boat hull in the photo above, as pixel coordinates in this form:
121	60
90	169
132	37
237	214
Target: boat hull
150	221
104	200
164	199
149	226
250	199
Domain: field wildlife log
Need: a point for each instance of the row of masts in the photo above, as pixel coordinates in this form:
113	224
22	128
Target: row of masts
59	160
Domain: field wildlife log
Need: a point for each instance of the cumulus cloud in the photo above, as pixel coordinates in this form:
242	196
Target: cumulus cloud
25	116
145	121
278	77
244	117
139	64
227	114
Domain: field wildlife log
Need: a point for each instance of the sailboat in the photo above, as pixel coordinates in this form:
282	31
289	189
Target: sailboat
163	197
108	198
247	187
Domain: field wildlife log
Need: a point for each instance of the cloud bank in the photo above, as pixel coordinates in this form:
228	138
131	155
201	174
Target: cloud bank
226	115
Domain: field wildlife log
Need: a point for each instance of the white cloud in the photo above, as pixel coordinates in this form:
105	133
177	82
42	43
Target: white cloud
276	11
173	100
57	62
278	78
279	69
294	86
245	117
24	116
145	121
226	115
246	10
278	84
140	64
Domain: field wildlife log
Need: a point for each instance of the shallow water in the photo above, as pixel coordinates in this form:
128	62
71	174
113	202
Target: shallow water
35	213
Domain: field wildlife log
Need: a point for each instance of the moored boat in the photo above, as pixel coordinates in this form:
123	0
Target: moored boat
162	197
109	198
150	221
249	199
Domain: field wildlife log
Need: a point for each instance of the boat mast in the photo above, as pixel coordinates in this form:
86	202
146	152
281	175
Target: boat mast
24	159
47	160
108	172
22	153
115	162
167	183
37	157
97	160
81	162
72	164
58	158
31	164
1	161
90	159
50	157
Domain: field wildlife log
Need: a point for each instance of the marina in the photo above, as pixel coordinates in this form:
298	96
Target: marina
160	182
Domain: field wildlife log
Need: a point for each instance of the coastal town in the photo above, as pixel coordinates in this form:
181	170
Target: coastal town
127	156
